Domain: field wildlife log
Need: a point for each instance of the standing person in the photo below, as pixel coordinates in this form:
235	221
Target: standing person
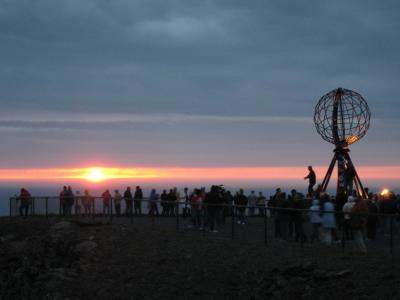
25	199
241	203
196	205
347	207
117	202
315	220
78	203
186	209
87	203
171	203
328	219
178	203
252	200
358	221
261	204
164	203
211	202
128	201
372	218
138	200
299	218
63	201
69	198
312	180
153	199
106	202
272	204
283	215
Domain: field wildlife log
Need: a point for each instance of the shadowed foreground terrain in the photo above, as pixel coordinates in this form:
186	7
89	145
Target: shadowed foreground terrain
87	260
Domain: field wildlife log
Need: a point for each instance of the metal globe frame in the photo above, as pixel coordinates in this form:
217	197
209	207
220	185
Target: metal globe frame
342	117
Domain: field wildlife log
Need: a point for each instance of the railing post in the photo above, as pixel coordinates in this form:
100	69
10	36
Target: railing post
265	227
131	212
391	235
177	216
93	207
11	200
47	207
233	222
33	206
111	210
344	229
153	215
204	219
59	207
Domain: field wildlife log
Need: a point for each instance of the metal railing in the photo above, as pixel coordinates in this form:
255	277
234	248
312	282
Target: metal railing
269	219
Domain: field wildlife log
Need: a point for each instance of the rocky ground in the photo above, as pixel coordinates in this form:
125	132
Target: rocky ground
89	259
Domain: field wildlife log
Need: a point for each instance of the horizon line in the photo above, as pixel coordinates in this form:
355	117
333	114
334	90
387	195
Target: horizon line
165	173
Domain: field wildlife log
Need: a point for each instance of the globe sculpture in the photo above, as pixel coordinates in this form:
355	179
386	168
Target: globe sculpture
342	117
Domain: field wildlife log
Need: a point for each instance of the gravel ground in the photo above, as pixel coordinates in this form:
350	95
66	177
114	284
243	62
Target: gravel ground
59	259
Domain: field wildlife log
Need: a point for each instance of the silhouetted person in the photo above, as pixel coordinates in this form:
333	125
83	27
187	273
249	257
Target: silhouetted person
78	203
138	200
299	218
372	219
358	221
212	203
351	201
128	201
261	204
153	199
171	202
106	201
272	204
25	201
117	202
252	200
283	215
63	201
312	180
241	203
164	203
186	209
87	200
69	199
196	204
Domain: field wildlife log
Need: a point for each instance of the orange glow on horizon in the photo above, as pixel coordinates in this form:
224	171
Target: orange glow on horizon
101	174
384	192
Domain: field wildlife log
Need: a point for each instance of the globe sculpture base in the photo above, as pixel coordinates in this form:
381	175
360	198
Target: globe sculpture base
348	179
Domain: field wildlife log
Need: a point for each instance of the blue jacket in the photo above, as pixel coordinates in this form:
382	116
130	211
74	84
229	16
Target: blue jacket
315	217
328	216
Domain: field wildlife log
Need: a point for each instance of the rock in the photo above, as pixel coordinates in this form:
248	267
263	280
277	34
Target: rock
7	237
85	247
343	273
18	246
63	225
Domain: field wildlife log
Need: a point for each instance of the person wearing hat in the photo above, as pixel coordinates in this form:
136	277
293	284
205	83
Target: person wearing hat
358	221
347	216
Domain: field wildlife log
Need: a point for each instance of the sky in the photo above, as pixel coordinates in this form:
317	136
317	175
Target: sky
192	84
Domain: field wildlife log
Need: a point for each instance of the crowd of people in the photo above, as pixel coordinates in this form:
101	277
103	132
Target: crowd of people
316	217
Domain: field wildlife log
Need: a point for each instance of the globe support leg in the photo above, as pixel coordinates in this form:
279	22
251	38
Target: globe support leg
345	167
328	175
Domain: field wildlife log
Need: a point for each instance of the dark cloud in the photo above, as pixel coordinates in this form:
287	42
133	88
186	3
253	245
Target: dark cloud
226	58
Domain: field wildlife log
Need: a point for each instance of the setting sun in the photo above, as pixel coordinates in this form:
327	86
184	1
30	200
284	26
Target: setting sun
96	175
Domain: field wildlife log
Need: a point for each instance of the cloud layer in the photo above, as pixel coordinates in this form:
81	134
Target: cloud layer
191	82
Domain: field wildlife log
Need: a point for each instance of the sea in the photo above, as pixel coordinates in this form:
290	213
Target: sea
51	190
